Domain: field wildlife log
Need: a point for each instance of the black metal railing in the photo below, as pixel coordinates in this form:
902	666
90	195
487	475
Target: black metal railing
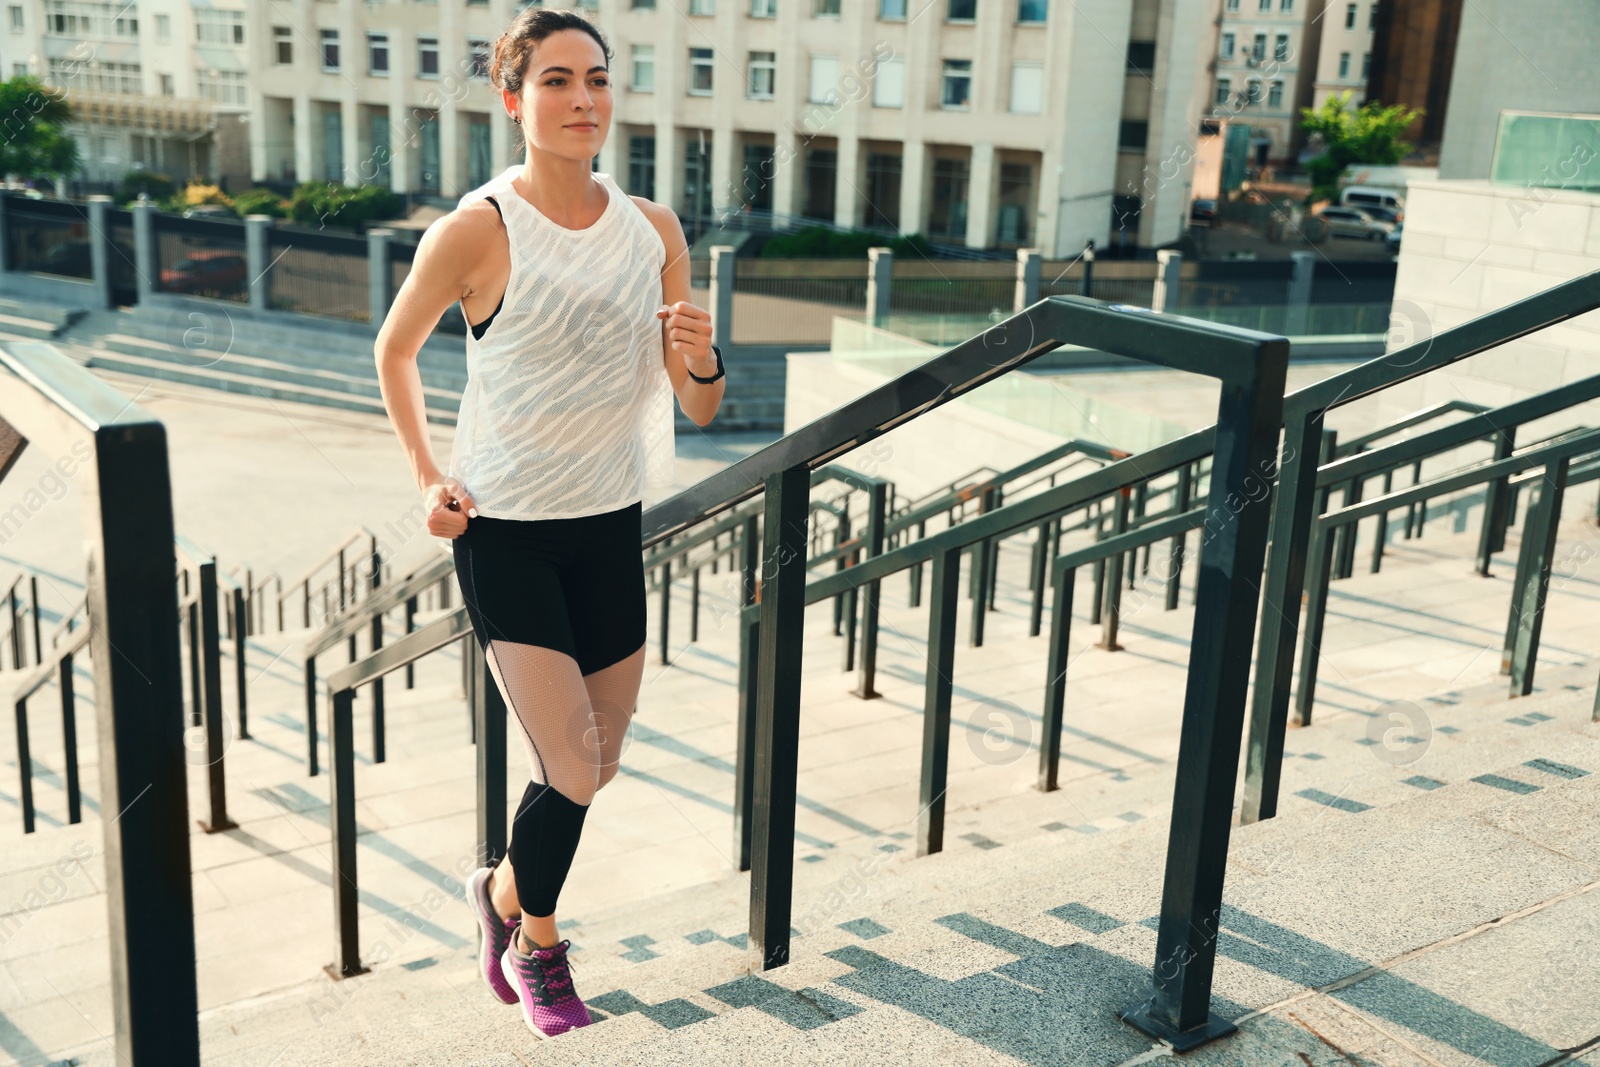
202	257
132	636
1295	499
200	605
1251	367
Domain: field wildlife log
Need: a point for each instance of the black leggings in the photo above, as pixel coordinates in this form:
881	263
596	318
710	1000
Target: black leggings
558	605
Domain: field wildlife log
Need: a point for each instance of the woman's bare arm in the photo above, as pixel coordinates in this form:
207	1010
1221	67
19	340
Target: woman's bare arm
448	257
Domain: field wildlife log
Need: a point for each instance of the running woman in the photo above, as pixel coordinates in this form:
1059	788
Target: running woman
581	333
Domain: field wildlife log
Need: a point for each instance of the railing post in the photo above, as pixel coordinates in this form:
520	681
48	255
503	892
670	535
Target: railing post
1344	552
240	646
1496	505
936	699
1294	504
33	599
1169	280
489	727
411	624
196	668
1297	322
1175	559
720	295
866	676
342	815
100	251
311	716
24	766
211	645
258	256
1026	293
916	570
1038	571
380	275
880	280
783	569
694	605
377	643
1249	414
1534	583
146	253
1382	528
1112	611
1321	560
749	620
666	608
1055	682
69	738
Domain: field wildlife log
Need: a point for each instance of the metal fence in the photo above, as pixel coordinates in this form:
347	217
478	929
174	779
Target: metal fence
49	236
317	273
202	257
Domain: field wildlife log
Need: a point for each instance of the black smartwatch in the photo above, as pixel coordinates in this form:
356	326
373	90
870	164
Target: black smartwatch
720	371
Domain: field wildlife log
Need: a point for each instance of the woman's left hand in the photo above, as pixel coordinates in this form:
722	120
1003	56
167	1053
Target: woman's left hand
688	332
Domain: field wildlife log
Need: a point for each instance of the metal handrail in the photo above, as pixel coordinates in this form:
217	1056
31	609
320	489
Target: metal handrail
1294	501
1251	366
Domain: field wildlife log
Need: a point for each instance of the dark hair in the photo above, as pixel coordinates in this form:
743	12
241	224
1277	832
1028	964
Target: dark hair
515	46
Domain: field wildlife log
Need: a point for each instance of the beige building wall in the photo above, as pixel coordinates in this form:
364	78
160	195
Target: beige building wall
1346	51
1274	50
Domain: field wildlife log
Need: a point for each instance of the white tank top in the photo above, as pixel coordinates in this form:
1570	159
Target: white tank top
568	410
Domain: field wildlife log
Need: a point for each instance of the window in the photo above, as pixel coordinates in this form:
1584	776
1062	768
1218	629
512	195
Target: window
1141	57
763	9
957	84
1224	90
167	88
947	214
1259	49
642	167
824	80
1133	135
330	49
378	132
1227	46
163	27
1016	195
480	152
479	54
763	71
282	45
223	86
1032	10
1344	64
702	7
961	10
332	145
827	7
378	54
1233	5
218	26
1252	91
1027	88
1280	47
883	189
756	181
1286	5
644	68
643	5
1372	17
1266	5
700	72
427	57
1275	95
891	9
889	86
16	18
822	179
19	70
1366	65
107	77
1350	16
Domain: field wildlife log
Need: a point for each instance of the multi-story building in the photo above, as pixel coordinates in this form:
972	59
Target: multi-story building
1344	62
1414	56
1266	68
155	84
1003	124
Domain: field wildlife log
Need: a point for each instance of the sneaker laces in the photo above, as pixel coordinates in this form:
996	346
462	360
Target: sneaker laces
551	979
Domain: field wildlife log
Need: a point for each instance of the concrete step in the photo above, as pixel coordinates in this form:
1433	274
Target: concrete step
52	318
228	380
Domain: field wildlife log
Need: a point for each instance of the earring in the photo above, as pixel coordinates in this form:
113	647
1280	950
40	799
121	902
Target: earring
517	119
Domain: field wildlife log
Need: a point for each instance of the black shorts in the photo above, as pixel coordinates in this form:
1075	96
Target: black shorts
573	585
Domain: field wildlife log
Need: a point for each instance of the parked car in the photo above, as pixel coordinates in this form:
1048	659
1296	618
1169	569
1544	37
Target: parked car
1391	240
1365	196
1353	222
209	211
71	258
1384	214
208	271
1203	210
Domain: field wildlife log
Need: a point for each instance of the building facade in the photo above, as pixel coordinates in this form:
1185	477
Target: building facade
157	84
1344	60
989	124
1266	70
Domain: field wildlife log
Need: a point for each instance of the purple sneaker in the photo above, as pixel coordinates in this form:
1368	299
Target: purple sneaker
543	982
494	934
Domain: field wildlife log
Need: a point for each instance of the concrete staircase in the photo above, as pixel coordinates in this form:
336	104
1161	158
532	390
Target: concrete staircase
34	321
1399	909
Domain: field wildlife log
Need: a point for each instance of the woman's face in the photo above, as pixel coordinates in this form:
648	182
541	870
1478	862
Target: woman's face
566	84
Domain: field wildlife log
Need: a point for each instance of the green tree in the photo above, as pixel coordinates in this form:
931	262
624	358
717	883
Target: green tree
1368	134
34	142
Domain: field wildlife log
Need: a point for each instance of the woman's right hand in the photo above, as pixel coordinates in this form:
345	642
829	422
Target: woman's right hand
449	506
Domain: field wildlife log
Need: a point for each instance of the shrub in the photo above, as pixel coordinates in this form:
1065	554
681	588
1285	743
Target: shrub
338	204
155	185
260	202
822	242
